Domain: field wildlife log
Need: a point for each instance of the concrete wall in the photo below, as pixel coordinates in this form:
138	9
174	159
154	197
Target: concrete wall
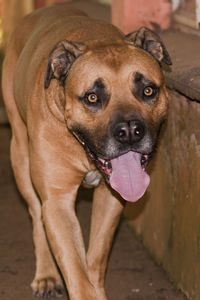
168	217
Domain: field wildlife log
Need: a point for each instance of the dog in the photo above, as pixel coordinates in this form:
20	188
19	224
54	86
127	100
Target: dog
86	104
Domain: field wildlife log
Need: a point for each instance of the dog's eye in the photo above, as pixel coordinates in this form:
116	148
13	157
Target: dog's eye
92	98
148	91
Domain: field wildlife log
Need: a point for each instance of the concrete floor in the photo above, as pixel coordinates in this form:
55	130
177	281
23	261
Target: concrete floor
131	275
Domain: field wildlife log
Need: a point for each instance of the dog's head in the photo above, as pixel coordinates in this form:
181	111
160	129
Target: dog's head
116	101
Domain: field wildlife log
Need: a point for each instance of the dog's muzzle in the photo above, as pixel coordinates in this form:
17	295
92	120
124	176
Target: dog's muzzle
124	164
126	172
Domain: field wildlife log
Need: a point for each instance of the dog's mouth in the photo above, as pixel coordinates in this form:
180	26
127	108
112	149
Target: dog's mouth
125	173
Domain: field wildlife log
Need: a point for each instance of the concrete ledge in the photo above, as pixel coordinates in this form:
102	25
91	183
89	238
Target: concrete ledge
168	218
184	51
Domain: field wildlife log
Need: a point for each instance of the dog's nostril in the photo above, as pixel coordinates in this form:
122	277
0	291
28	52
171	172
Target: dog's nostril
137	130
122	132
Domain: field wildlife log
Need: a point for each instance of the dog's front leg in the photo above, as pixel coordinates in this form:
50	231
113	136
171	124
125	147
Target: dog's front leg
65	237
56	173
106	214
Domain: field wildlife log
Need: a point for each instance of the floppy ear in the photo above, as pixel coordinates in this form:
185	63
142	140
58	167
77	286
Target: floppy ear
60	60
148	40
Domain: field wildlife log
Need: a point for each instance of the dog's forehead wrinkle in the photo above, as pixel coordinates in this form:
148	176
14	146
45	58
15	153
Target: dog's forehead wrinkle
112	55
122	55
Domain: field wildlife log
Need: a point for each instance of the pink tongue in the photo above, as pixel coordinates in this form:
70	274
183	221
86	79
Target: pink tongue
128	178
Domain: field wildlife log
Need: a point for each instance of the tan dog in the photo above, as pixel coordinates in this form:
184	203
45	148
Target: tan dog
85	104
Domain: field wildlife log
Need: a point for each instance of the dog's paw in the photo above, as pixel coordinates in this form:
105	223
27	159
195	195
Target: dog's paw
47	288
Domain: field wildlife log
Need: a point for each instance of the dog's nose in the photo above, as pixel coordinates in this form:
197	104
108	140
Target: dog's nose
129	132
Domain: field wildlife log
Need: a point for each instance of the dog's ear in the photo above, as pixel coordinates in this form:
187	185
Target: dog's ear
148	40
60	60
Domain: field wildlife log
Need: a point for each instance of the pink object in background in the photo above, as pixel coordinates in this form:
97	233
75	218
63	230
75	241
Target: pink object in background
128	15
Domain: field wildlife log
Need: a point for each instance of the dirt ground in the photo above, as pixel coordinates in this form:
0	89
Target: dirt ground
132	273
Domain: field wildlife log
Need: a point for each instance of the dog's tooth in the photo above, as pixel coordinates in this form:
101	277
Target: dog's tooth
107	164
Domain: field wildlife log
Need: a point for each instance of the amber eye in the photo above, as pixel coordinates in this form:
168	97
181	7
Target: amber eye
92	98
148	91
